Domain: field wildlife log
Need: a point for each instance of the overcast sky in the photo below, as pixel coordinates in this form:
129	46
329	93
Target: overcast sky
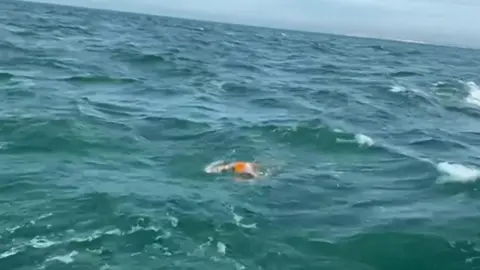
440	21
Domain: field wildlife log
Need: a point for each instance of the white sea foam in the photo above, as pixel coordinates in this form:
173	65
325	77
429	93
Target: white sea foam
13	229
410	41
66	259
210	168
137	228
41	242
113	232
95	235
473	94
202	247
173	220
37	242
221	248
9	253
364	140
44	216
457	173
410	90
238	221
397	89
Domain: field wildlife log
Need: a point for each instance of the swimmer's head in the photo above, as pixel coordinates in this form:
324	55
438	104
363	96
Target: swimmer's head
241	168
246	169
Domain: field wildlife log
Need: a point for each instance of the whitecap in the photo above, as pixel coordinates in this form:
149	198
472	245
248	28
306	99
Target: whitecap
44	216
457	172
40	242
474	94
95	235
397	89
173	220
115	231
137	228
221	248
238	221
360	139
13	229
9	253
66	259
364	140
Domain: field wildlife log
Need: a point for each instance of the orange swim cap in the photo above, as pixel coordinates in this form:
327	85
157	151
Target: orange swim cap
241	167
245	168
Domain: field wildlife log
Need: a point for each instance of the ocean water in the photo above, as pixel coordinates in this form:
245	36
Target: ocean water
108	120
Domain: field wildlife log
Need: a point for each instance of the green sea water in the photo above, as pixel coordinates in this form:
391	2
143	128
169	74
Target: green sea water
108	120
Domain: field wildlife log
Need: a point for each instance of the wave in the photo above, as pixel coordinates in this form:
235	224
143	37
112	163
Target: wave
454	98
410	41
92	106
5	76
452	172
95	79
377	47
150	225
406	53
174	129
369	249
364	140
12	47
62	135
402	74
149	59
137	57
398	89
245	67
291	134
473	96
405	250
66	258
323	47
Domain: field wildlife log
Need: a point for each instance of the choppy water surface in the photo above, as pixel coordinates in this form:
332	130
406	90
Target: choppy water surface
109	119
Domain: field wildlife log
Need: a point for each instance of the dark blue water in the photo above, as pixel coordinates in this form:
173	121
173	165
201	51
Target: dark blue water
108	120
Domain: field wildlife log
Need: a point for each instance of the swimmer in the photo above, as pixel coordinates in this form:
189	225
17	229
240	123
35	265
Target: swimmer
241	168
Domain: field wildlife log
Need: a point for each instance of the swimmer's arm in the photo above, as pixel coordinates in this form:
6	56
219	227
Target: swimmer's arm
227	167
223	167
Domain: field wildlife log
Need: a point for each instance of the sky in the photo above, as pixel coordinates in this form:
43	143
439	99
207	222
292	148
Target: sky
437	21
